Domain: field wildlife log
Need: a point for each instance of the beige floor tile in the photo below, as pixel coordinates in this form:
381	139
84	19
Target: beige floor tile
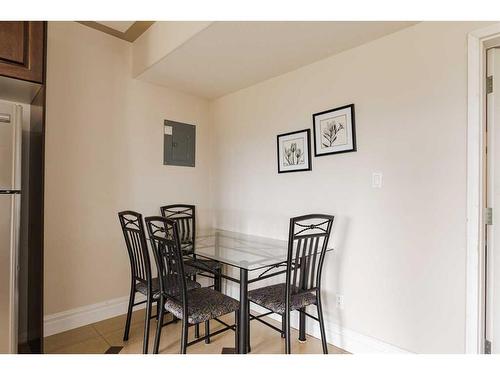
264	340
96	345
68	338
117	323
115	338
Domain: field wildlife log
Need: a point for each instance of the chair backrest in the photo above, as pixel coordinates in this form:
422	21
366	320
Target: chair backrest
307	245
185	216
135	239
164	237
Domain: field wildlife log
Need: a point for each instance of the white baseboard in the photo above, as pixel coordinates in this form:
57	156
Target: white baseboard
337	335
81	316
344	338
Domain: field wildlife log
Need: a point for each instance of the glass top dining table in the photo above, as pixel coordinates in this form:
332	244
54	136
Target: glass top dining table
241	250
247	253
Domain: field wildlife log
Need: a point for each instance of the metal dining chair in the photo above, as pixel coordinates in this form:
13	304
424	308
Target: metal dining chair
307	244
193	306
185	216
142	280
140	268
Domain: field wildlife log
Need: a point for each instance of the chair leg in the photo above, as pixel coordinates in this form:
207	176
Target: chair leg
288	349
197	326
248	329
218	282
302	325
283	326
184	336
159	325
207	332
146	324
322	326
236	331
129	311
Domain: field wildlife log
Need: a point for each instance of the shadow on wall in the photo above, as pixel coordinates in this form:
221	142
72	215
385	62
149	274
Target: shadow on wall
332	273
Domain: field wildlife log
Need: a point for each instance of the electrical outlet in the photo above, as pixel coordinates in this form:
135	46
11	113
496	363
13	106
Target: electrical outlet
377	180
339	300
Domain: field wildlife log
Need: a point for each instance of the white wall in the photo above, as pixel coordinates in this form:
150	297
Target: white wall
400	250
104	153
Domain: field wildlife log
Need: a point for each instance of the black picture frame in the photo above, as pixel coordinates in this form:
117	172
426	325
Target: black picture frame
307	154
352	148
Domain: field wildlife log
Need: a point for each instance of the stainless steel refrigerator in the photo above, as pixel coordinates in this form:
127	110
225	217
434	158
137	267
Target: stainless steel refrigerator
10	198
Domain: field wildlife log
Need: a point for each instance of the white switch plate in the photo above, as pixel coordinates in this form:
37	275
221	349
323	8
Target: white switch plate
376	180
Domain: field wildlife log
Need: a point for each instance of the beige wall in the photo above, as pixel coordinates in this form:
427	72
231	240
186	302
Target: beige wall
104	154
400	250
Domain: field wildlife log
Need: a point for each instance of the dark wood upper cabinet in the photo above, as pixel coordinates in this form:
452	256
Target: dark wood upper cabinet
22	50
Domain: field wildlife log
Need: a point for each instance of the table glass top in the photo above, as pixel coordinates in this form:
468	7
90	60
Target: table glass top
241	250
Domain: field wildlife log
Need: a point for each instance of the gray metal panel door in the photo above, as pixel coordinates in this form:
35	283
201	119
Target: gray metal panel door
180	144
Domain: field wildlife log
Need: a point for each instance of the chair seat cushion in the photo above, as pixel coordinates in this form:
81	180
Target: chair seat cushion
203	304
142	287
170	283
204	265
190	270
187	247
272	297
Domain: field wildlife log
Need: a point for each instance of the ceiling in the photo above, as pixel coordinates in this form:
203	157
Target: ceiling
228	56
120	26
125	30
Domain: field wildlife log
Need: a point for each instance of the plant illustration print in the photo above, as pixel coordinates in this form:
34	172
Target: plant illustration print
294	151
334	131
330	133
293	155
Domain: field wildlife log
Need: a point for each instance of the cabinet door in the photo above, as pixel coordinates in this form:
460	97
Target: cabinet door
22	50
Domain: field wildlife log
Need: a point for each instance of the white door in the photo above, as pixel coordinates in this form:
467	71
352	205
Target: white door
492	263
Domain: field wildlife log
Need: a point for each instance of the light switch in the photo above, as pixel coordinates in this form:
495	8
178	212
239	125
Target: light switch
376	180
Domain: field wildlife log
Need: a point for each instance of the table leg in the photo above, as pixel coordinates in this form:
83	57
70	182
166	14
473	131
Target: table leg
244	313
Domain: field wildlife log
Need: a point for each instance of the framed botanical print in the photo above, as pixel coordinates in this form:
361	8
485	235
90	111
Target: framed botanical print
334	131
294	151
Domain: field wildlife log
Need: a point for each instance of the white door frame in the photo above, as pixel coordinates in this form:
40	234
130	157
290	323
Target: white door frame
474	316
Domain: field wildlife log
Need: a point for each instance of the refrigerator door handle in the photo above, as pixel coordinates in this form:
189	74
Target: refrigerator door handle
5	117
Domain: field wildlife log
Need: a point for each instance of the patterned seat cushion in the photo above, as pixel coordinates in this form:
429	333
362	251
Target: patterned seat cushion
190	270
187	247
171	286
143	287
203	304
204	265
272	297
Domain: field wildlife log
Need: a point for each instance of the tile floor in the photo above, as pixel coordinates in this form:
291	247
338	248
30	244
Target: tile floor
97	338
